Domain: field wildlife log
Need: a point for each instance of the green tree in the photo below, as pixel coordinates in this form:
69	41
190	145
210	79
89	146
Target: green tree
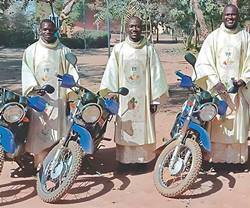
122	10
5	5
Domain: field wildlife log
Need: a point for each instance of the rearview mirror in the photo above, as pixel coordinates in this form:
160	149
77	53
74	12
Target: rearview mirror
123	91
190	58
71	58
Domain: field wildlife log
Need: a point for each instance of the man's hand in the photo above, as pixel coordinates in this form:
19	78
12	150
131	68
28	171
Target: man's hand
239	83
220	88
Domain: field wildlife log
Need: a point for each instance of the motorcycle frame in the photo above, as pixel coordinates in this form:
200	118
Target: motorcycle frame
189	124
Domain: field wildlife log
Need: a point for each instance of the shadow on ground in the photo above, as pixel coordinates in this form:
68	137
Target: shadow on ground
17	191
213	178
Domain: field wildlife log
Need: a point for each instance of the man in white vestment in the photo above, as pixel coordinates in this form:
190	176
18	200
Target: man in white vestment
225	58
42	61
135	64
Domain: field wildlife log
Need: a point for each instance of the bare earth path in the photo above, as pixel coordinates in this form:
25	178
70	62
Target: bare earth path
101	186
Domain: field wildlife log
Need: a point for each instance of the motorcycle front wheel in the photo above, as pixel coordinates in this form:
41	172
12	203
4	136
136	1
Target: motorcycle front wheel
54	180
172	181
1	159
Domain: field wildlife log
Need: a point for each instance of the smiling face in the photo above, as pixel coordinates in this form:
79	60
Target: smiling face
134	28
47	31
230	16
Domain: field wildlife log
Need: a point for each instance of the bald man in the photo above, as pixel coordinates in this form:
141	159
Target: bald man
135	64
225	55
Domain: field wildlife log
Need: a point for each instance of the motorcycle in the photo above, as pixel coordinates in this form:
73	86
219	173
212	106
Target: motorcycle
179	163
14	124
88	124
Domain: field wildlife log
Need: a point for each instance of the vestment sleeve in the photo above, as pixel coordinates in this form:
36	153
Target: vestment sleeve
110	79
205	64
245	75
28	78
158	80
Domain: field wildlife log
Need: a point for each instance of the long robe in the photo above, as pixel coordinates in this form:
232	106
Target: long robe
225	54
137	67
41	63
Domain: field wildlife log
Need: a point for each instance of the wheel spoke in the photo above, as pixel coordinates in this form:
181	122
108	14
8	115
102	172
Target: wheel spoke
170	180
52	184
60	177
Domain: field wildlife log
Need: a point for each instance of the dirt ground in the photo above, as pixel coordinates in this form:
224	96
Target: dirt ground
101	185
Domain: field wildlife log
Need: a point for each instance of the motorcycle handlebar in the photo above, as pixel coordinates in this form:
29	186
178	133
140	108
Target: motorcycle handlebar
179	74
59	76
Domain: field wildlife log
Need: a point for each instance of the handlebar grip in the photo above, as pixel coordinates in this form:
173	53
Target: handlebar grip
233	90
59	76
179	74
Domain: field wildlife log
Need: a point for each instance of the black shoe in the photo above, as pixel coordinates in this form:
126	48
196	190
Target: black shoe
141	167
123	167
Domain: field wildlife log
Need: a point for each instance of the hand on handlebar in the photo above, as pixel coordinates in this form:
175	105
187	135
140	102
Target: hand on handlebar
239	83
220	88
222	91
111	95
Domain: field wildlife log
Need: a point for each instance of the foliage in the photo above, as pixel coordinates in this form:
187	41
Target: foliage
212	12
13	38
43	10
5	4
15	19
122	10
87	39
11	12
244	10
77	12
15	25
180	15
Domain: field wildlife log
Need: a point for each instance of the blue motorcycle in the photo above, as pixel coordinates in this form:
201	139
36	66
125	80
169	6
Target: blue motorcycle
88	124
14	123
179	163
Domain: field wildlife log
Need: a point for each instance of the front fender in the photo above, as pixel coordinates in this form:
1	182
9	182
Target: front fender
203	135
86	141
7	140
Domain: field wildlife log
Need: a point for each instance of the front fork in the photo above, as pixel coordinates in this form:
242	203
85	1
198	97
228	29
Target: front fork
181	138
64	140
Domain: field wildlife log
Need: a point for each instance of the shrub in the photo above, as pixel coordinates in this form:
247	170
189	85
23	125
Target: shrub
72	42
93	38
11	38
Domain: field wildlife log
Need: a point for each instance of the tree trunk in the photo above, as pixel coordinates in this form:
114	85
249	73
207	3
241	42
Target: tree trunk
67	8
200	18
157	34
235	2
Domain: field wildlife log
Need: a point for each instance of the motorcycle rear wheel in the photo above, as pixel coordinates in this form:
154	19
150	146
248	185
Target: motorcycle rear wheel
2	158
52	185
185	175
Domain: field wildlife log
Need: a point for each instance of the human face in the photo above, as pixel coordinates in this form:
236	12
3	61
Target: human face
230	17
134	29
47	31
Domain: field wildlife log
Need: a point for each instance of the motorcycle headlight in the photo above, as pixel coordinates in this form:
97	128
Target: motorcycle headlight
207	112
91	113
13	112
